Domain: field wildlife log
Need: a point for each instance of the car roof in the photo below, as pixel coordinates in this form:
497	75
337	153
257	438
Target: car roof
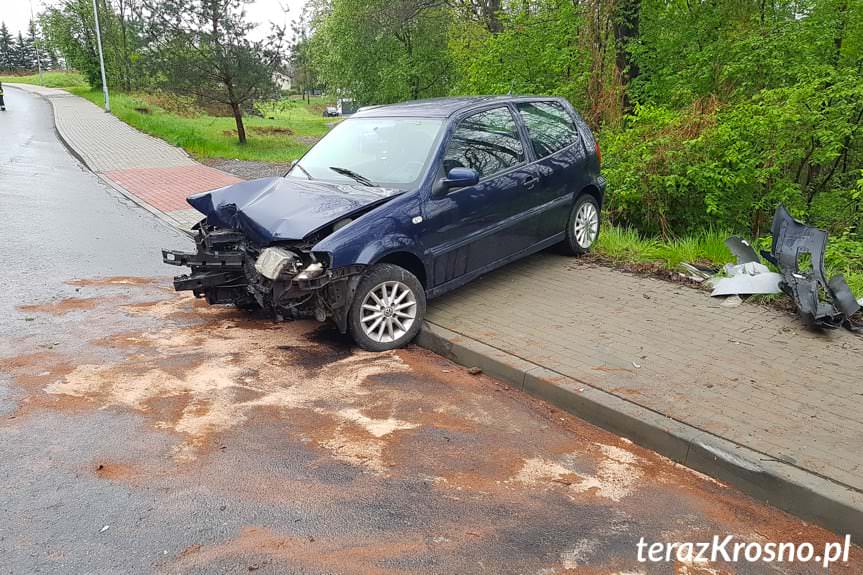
440	107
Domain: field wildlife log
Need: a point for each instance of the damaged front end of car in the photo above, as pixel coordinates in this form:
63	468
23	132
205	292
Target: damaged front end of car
290	281
245	255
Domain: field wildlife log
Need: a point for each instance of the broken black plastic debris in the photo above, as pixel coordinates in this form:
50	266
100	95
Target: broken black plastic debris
741	250
792	239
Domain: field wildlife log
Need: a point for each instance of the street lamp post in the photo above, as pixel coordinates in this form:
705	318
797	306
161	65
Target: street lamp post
101	58
36	45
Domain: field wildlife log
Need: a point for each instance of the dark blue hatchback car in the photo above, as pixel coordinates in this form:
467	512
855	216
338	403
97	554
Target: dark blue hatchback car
396	205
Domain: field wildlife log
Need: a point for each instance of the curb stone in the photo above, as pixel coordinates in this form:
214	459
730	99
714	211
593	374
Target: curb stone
789	488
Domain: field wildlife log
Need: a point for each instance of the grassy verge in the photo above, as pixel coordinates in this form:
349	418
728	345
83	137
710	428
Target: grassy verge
50	79
626	246
283	132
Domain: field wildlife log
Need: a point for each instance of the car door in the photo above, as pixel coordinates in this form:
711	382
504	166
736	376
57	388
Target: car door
559	161
471	228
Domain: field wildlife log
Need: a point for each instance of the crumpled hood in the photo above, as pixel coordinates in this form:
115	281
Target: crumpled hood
273	209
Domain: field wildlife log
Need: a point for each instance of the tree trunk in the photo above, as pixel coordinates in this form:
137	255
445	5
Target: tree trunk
238	118
839	33
626	18
127	61
492	16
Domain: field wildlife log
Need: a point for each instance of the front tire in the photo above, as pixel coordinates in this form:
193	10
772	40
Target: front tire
388	308
582	229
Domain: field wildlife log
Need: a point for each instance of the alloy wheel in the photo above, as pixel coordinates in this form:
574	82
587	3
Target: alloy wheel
388	311
586	225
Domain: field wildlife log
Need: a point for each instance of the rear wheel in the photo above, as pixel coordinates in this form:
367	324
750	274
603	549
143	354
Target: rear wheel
388	308
582	230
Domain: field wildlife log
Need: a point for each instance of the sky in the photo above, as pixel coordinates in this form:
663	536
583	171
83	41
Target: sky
16	13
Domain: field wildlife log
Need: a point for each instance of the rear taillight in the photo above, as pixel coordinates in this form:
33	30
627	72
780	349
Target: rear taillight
598	153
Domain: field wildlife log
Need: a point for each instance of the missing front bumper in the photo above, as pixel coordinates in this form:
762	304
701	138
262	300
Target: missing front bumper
226	270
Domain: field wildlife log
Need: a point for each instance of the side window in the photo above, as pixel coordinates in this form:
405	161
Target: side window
488	142
549	126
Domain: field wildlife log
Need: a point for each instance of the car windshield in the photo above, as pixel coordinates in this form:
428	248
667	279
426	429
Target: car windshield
386	152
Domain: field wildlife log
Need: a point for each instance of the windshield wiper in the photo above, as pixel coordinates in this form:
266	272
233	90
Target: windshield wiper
354	176
302	169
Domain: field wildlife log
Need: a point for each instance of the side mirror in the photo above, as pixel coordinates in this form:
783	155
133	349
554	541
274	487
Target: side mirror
456	178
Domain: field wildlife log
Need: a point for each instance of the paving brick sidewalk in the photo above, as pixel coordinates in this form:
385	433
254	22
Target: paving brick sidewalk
148	170
749	374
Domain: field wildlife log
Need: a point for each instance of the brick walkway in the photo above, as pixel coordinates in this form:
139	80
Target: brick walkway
749	374
150	171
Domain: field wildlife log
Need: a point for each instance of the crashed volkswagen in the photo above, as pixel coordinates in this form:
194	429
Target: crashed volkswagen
397	205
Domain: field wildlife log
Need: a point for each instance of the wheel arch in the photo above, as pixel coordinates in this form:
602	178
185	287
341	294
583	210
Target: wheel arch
407	260
591	190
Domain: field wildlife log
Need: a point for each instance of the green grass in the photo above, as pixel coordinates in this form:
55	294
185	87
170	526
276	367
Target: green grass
286	130
626	245
50	79
283	133
854	279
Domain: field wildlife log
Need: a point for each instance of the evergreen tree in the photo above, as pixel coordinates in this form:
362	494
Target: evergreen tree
23	56
7	48
202	48
19	54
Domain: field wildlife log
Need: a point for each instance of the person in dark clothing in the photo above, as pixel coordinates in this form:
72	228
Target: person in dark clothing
2	103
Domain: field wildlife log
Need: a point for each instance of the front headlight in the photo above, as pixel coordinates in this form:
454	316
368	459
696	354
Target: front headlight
273	261
311	272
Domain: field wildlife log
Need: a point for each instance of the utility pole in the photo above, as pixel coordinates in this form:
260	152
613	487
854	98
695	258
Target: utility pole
101	58
36	45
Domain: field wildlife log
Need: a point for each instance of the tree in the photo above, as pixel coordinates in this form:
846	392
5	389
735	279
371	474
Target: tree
70	30
626	17
536	51
383	51
24	58
201	47
7	48
300	62
485	12
126	39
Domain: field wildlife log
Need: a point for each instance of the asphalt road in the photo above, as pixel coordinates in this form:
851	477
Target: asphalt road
141	431
58	219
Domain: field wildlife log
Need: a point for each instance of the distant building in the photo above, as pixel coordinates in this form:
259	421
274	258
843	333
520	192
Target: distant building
283	81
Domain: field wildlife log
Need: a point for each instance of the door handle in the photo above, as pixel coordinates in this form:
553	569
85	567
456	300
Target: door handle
531	182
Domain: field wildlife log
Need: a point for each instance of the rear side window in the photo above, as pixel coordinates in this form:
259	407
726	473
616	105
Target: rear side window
488	142
549	126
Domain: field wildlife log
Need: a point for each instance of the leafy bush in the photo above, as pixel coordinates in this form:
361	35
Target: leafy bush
844	255
676	172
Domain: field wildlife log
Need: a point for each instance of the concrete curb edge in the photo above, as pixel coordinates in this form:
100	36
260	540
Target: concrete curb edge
791	489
